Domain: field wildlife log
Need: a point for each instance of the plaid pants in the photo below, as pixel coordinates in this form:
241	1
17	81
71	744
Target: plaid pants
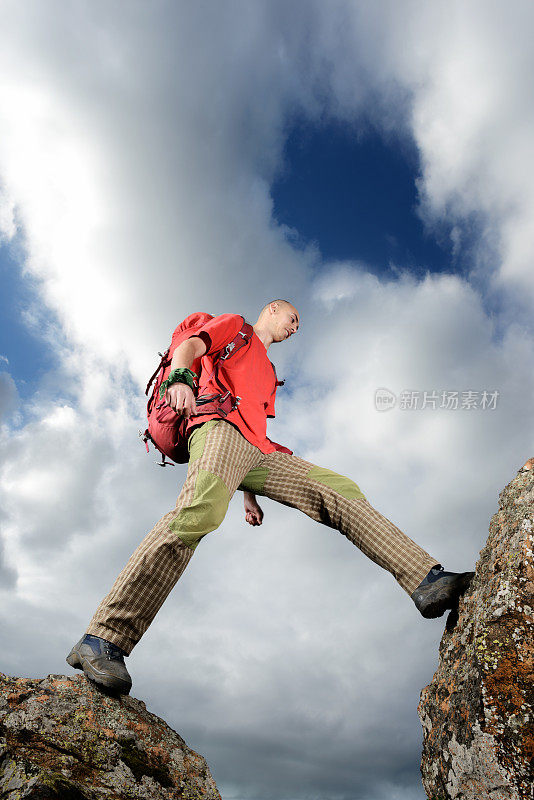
221	461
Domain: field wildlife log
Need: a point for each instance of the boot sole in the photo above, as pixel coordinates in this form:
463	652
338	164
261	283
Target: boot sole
447	596
74	659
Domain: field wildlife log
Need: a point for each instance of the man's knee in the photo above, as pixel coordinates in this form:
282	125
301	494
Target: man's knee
339	483
205	512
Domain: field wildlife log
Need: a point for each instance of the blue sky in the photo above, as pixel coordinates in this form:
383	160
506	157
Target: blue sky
370	162
355	196
27	351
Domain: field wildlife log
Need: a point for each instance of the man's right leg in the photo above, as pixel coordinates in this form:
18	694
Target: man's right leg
219	459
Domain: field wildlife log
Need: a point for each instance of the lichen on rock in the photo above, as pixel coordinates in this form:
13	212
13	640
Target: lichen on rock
477	714
61	738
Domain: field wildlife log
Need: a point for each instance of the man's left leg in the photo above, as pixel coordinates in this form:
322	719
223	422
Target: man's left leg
338	502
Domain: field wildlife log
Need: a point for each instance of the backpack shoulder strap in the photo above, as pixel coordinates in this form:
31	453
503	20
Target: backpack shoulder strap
276	381
165	361
242	338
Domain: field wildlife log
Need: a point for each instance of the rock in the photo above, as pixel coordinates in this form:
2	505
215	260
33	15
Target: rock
62	738
477	714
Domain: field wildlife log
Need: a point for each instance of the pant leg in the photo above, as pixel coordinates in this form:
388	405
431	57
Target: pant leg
219	459
338	502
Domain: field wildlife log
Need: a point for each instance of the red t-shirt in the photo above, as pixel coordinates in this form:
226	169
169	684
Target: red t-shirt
248	374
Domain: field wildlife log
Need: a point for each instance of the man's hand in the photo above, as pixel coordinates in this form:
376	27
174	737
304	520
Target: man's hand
253	513
181	399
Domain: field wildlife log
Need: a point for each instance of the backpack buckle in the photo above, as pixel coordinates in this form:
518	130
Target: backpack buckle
145	437
227	351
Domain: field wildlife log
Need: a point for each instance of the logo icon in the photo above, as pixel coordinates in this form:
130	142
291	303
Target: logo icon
384	399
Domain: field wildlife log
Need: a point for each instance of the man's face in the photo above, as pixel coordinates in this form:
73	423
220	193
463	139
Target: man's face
285	321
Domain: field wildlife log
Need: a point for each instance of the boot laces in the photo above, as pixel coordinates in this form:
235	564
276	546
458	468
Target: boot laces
112	652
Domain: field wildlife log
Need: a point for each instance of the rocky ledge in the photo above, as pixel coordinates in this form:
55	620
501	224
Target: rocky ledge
477	714
61	738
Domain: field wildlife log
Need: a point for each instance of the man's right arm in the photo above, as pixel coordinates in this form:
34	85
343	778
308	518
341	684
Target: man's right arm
180	396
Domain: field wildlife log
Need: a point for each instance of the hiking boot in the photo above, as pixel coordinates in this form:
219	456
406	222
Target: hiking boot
439	591
102	662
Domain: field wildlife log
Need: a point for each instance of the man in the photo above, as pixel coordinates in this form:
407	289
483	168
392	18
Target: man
235	453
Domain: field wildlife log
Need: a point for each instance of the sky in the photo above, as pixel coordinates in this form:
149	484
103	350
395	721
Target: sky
369	162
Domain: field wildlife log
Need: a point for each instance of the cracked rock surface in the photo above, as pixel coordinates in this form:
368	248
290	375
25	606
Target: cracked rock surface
477	714
61	738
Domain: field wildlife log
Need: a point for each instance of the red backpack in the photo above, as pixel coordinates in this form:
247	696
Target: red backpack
166	429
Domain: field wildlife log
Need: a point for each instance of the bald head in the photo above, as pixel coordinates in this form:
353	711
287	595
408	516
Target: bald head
278	320
285	303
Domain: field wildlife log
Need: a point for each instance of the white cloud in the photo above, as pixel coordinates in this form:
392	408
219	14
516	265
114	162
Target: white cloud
7	216
137	147
473	119
116	190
